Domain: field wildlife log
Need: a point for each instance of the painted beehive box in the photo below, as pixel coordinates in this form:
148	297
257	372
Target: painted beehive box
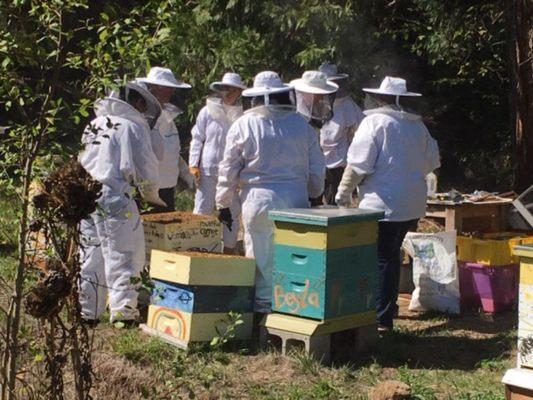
181	231
195	268
325	261
203	298
525	306
194	327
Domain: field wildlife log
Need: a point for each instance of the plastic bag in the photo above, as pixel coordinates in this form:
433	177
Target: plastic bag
434	271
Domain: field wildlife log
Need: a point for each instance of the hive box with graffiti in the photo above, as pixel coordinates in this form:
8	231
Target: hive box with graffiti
194	292
325	261
182	231
525	306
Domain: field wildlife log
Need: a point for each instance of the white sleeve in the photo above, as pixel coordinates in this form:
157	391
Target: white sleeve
138	163
198	138
363	152
317	166
230	167
432	154
158	145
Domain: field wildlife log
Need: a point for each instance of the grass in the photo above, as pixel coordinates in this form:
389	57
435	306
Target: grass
201	373
439	357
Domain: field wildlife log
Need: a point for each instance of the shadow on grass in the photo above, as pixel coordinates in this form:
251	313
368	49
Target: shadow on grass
432	351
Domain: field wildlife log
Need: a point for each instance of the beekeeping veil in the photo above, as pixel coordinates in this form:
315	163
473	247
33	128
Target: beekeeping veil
315	95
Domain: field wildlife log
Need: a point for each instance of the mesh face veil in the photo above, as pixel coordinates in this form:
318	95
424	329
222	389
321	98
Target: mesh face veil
315	107
131	93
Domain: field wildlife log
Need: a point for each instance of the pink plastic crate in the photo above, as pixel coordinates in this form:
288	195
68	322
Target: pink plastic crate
469	295
496	286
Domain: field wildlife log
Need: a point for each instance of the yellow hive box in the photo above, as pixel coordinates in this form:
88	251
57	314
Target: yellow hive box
525	306
492	249
194	327
306	326
326	237
192	268
181	231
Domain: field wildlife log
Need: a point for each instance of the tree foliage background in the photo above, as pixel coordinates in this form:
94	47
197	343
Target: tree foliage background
454	52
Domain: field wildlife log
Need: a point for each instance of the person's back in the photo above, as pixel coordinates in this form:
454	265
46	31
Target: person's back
398	153
110	141
283	140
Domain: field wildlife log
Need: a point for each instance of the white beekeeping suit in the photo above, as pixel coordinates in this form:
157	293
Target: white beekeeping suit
164	136
117	153
336	135
207	149
273	155
391	153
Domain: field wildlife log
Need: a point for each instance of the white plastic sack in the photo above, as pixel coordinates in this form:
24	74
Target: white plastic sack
434	271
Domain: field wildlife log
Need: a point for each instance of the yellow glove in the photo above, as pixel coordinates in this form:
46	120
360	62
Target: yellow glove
195	171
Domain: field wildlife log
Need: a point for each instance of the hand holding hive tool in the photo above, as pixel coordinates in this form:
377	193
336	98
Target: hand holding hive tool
224	216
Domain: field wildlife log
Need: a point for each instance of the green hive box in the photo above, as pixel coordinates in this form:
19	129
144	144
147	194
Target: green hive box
325	261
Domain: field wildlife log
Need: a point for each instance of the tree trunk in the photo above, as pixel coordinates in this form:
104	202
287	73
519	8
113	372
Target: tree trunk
521	20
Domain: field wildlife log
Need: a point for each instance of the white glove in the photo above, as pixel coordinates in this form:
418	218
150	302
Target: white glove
152	197
348	184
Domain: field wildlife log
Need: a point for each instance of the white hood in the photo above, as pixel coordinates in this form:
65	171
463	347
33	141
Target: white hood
221	111
110	106
395	112
272	111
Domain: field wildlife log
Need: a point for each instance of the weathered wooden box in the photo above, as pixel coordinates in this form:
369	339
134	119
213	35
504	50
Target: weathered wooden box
325	261
194	268
203	299
181	231
186	327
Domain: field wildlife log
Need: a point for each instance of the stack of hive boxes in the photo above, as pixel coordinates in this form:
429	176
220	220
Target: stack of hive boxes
194	291
325	275
519	381
488	270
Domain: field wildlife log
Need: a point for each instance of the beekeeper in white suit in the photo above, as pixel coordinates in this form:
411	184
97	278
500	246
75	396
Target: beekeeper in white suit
162	83
336	134
390	155
117	153
207	149
272	154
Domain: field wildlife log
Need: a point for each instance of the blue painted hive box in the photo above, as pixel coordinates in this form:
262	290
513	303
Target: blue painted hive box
325	261
203	298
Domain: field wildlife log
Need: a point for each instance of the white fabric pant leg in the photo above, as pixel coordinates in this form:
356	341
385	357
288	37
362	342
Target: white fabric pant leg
122	237
259	244
92	283
204	204
259	232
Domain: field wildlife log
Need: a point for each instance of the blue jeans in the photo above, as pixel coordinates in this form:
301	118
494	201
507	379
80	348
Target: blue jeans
390	238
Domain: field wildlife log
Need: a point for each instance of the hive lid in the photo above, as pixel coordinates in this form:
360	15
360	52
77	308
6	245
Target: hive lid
325	215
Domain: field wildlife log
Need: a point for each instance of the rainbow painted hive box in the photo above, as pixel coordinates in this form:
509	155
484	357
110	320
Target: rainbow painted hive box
325	261
194	292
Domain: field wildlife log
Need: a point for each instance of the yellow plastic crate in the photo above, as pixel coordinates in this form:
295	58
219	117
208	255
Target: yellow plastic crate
492	249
